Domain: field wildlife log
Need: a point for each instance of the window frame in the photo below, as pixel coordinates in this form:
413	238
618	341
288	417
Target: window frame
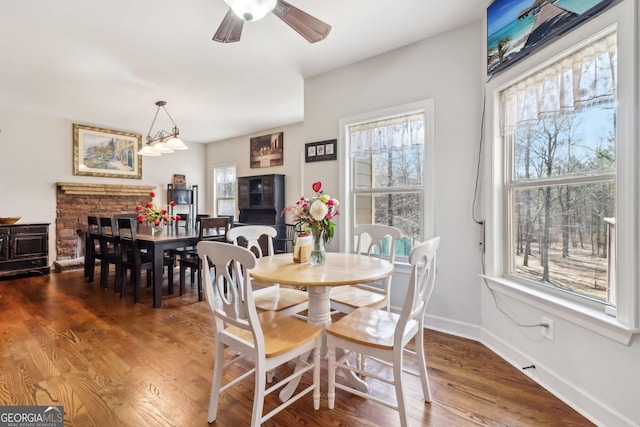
347	196
214	192
623	322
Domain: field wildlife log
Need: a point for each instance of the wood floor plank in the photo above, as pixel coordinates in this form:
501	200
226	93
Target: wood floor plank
110	362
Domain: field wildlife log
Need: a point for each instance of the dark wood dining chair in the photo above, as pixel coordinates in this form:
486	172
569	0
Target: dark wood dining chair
109	250
91	247
210	229
184	221
285	243
135	259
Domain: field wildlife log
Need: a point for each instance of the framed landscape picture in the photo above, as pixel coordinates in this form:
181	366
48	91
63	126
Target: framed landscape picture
106	153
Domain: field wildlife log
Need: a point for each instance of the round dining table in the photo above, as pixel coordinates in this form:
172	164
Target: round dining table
339	269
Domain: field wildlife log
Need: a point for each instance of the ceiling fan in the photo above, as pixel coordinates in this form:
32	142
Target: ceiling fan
307	26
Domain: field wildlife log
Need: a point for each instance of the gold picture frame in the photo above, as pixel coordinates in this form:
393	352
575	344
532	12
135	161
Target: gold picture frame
106	153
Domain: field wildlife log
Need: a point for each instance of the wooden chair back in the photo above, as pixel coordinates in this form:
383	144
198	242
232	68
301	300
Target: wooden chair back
249	336
250	235
213	228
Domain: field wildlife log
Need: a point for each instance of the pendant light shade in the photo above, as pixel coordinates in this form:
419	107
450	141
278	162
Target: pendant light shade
162	142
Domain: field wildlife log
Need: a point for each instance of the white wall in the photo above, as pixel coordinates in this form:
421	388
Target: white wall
235	151
445	69
597	376
36	152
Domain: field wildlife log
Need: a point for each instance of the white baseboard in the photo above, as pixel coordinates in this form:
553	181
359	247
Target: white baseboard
556	384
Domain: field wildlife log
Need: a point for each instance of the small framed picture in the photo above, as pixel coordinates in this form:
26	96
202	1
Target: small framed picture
179	181
311	151
321	150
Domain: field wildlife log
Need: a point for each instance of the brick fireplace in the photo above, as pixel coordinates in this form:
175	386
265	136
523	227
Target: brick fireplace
76	201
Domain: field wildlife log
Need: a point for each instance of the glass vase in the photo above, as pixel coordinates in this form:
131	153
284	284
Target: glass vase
156	230
318	254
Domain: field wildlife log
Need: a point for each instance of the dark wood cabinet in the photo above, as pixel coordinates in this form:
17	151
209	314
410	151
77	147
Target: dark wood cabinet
4	244
24	249
261	200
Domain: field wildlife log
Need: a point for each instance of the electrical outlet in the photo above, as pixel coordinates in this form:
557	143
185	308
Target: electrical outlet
547	331
481	240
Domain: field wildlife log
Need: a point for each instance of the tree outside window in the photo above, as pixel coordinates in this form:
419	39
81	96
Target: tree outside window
560	129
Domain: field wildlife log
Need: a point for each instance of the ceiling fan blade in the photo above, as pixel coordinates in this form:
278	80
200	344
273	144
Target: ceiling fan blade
307	26
230	29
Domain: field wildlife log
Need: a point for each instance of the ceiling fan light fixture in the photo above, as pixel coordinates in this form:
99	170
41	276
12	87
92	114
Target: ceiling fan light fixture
251	10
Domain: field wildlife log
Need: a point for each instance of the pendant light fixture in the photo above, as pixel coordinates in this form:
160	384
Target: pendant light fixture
162	141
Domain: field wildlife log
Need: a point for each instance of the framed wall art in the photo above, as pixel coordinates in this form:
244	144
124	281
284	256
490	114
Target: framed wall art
322	150
179	181
106	153
516	28
266	150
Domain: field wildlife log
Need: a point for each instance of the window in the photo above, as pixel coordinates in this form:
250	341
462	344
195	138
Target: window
559	127
387	172
224	193
594	89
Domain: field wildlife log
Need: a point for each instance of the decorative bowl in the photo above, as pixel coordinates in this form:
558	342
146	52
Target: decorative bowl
7	220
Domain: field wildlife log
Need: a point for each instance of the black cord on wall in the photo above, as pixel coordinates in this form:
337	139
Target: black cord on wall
481	222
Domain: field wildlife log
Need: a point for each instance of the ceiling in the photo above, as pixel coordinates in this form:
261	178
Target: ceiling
107	63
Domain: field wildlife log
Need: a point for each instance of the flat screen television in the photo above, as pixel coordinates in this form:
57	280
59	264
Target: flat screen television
515	28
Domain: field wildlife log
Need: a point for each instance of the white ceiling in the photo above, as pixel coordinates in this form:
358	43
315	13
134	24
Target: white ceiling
106	63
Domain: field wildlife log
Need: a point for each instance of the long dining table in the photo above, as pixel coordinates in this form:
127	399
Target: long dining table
157	244
339	269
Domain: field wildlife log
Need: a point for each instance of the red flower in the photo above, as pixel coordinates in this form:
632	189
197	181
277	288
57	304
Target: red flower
140	219
172	203
138	208
317	186
152	194
177	217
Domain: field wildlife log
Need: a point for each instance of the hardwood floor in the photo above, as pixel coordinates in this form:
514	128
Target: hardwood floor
112	363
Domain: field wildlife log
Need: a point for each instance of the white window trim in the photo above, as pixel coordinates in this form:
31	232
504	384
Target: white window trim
622	327
214	190
347	216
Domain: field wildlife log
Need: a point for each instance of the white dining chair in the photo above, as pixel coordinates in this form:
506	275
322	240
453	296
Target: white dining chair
285	300
268	339
383	336
371	239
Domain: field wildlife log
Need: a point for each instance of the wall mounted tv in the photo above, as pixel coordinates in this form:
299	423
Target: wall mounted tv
515	28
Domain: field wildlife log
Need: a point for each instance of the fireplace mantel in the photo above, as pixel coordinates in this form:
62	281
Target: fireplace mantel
81	188
76	200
